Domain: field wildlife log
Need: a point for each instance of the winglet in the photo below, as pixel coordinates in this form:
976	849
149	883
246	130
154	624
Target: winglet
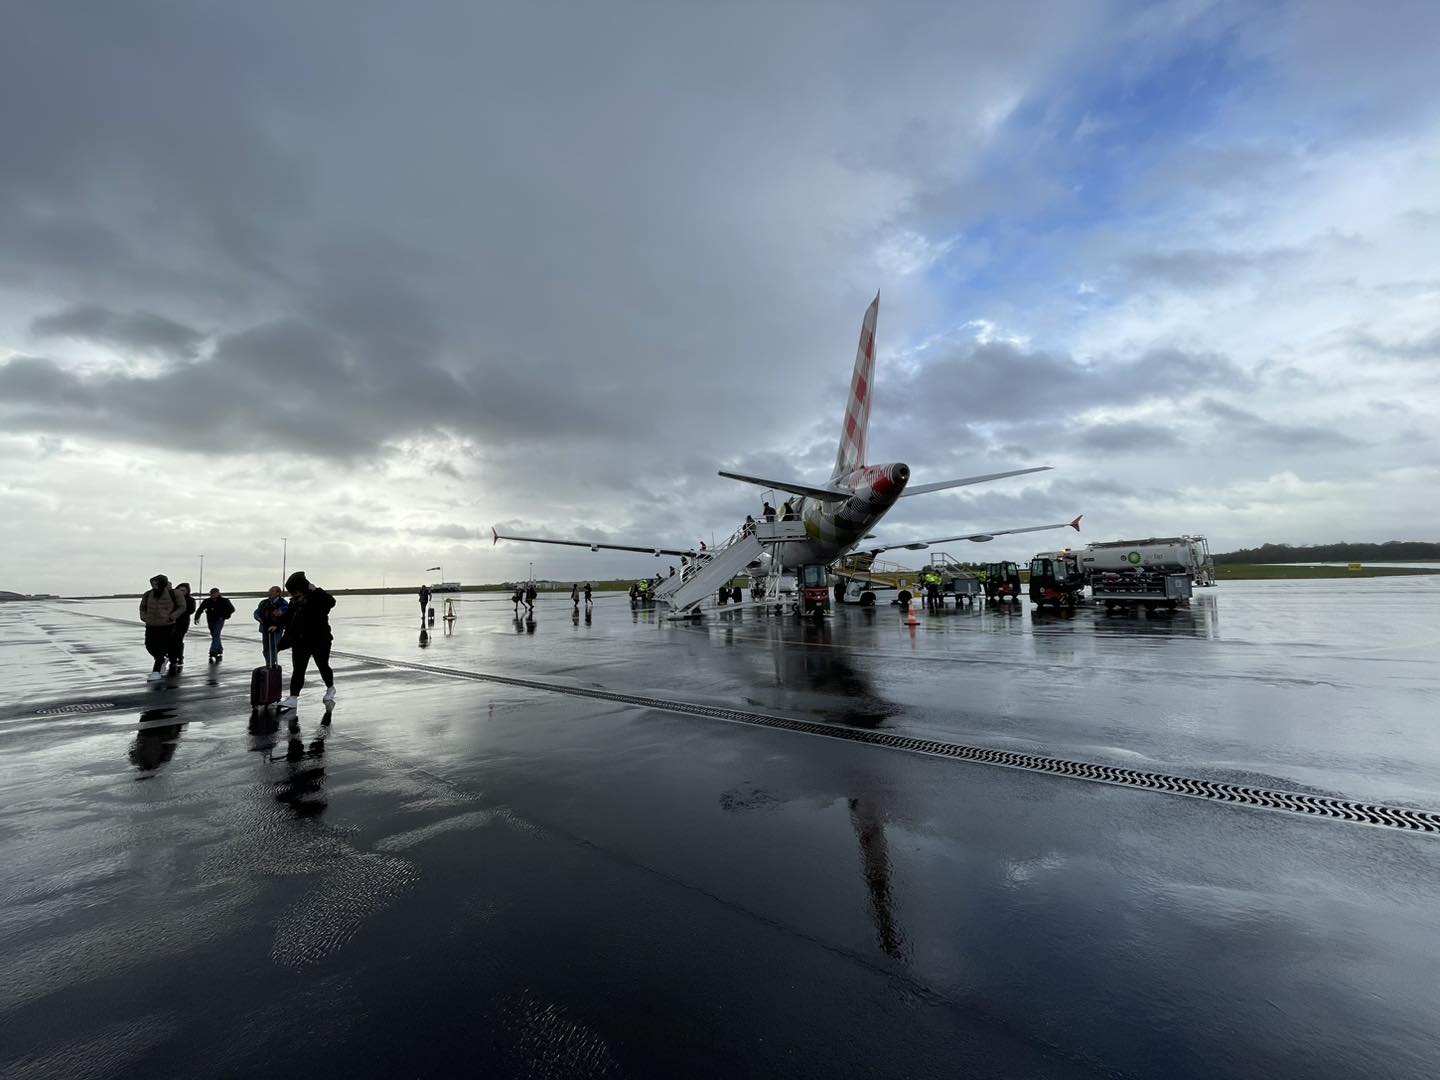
495	533
1076	523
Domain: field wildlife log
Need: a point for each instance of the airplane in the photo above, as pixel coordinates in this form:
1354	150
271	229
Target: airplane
840	515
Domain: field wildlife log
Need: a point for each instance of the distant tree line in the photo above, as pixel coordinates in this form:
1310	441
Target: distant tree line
1390	551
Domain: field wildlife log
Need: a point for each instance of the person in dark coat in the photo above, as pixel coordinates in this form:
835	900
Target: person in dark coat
271	613
530	595
307	633
216	610
587	594
424	600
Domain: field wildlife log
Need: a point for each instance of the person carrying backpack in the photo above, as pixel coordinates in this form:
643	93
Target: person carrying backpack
216	609
159	610
181	627
307	633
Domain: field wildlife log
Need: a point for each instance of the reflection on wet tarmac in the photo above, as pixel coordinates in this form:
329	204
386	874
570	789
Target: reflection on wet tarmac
302	788
154	744
869	823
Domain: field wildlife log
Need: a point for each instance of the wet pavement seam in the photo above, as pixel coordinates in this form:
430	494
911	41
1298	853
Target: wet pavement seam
1308	805
1323	807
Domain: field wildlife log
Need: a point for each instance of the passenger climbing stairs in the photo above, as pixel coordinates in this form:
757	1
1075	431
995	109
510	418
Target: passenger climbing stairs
708	570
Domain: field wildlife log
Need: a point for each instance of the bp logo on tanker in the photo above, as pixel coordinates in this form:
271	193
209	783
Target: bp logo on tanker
1133	558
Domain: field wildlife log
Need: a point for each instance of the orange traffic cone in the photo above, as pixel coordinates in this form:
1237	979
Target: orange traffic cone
911	619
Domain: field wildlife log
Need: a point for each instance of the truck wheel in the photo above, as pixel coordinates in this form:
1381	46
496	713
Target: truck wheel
867	599
904	598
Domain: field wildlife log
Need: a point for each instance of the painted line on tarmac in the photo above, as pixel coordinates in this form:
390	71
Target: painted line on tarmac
1325	807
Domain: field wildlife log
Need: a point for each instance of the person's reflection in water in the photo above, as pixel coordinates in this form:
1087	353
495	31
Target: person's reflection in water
530	625
575	616
869	824
424	639
154	746
263	729
587	614
302	788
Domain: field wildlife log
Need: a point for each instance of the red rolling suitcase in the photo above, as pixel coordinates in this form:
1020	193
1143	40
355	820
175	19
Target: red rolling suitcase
265	686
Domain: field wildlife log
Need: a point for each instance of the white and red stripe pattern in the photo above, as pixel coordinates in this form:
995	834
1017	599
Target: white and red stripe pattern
857	412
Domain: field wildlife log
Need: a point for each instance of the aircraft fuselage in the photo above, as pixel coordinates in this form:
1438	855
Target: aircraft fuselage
834	527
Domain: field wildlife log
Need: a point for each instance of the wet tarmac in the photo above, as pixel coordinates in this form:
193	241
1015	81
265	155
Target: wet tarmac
458	875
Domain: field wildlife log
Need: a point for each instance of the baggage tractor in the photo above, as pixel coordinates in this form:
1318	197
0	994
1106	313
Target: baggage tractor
265	686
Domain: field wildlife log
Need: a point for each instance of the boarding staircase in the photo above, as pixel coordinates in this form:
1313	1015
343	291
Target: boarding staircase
708	570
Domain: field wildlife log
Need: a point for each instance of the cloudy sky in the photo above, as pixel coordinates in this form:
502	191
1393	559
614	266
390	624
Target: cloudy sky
376	276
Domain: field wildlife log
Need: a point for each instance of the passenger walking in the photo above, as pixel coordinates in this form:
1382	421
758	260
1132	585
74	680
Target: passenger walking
588	601
767	512
530	595
517	599
787	511
182	627
307	631
749	524
575	595
216	609
424	600
159	609
271	613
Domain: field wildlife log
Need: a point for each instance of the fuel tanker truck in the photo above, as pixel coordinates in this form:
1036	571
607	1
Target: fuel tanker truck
1158	573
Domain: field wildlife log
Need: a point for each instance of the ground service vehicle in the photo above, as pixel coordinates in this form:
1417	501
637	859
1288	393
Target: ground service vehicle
1189	555
1053	583
1002	581
814	598
1147	589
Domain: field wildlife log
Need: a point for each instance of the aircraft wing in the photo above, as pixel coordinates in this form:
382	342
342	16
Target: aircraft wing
941	485
591	544
979	537
824	494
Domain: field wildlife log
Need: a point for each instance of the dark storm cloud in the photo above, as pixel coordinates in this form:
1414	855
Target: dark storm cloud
1194	268
1127	435
1000	382
139	331
1236	423
1425	347
604	237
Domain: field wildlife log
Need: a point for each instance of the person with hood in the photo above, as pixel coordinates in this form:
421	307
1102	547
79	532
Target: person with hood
182	627
307	632
270	613
424	600
530	595
160	608
216	610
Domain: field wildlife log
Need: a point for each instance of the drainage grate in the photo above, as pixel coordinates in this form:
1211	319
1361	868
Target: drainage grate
1292	802
83	707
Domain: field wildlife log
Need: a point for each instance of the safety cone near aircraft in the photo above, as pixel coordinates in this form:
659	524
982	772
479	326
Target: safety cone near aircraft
837	516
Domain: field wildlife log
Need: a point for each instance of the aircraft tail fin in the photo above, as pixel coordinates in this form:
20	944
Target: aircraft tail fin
851	454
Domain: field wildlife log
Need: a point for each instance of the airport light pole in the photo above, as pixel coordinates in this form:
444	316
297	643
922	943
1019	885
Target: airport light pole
201	586
284	557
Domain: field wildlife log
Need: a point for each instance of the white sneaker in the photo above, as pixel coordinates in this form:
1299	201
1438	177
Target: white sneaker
291	702
329	698
154	676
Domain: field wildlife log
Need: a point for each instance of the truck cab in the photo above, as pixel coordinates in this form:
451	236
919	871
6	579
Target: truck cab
1053	582
1002	581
